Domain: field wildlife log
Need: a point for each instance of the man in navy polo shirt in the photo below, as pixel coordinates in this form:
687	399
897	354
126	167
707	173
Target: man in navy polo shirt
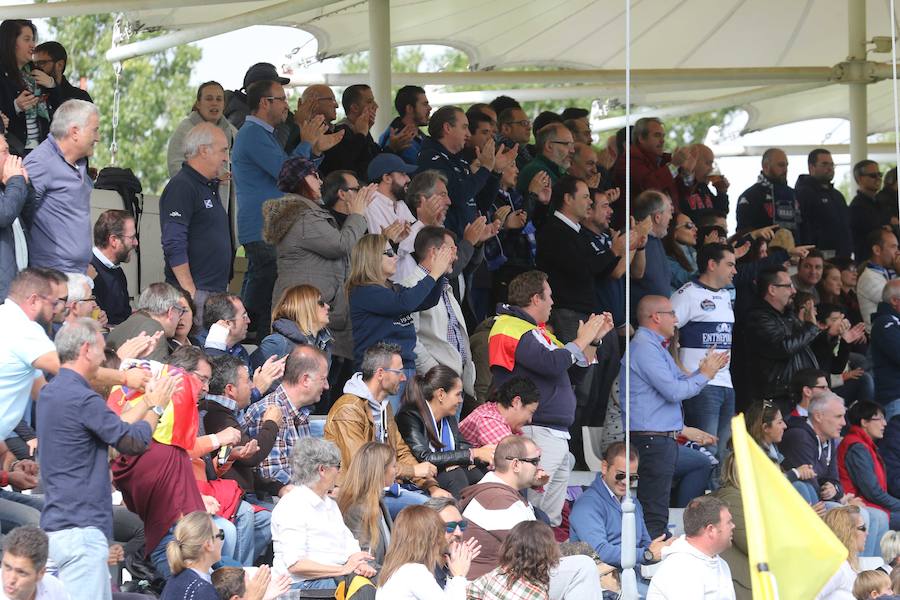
196	236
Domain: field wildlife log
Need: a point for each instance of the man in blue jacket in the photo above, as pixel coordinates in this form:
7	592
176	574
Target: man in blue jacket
885	348
596	517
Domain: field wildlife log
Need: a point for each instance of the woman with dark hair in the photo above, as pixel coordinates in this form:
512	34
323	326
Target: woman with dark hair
209	107
860	465
185	327
527	555
21	93
849	299
680	244
427	422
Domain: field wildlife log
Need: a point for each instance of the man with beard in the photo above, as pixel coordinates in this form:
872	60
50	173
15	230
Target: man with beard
824	208
771	201
402	137
115	237
388	206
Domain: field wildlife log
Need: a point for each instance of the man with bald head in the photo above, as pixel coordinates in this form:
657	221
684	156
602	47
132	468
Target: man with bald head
694	196
584	165
823	206
771	201
658	387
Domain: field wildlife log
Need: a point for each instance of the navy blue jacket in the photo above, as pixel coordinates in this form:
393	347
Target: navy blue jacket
188	585
382	314
657	279
800	446
826	215
13	198
885	348
865	217
889	448
111	291
196	230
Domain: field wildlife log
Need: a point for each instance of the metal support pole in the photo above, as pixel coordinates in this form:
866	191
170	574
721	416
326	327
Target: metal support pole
857	91
380	61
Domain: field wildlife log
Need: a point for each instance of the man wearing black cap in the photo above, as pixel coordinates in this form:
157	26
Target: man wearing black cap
237	110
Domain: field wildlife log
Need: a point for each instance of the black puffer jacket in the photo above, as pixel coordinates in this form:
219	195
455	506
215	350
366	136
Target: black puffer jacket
777	345
412	430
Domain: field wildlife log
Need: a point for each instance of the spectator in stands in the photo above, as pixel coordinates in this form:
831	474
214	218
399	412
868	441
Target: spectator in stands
481	129
185	329
356	148
372	470
495	505
658	388
196	231
379	311
21	95
441	334
832	350
884	346
426	196
886	198
233	583
25	577
514	128
391	176
14	194
824	208
860	466
196	547
849	280
258	158
881	268
75	420
694	196
692	566
680	245
527	556
511	407
847	524
596	516
427	423
770	201
809	274
829	288
311	247
736	555
578	122
300	319
416	550
363	414
873	584
59	230
778	344
865	216
521	346
890	550
208	108
402	136
467	184
657	275
115	238
81	303
237	107
222	406
305	377
814	441
555	148
312	544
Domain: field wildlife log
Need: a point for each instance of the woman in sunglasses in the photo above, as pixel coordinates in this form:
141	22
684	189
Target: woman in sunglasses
196	547
680	243
381	311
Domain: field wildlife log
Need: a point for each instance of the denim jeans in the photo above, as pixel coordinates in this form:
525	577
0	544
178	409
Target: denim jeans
807	490
692	469
253	533
557	461
229	546
80	555
256	291
711	410
656	469
405	498
19	509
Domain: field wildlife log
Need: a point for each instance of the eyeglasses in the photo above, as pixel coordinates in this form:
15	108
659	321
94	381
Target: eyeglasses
219	535
351	189
633	478
784	285
336	466
127	237
273	98
671	313
535	461
89	299
395	371
389	253
522	123
875	175
320	302
687	226
203	378
451	526
52	300
561	143
38	63
820	387
181	310
862	528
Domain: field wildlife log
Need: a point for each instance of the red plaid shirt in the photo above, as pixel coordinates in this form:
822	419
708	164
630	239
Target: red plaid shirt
485	426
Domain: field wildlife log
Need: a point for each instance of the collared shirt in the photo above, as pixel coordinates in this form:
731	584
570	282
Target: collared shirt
102	258
454	329
48	588
567	221
658	386
293	426
307	526
224	401
260	122
485	426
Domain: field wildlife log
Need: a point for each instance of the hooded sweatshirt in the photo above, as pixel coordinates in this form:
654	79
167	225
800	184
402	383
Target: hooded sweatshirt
686	573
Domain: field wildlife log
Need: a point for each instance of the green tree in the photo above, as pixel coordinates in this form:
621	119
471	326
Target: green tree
155	94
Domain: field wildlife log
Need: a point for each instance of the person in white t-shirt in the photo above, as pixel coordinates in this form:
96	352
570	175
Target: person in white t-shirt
25	567
705	323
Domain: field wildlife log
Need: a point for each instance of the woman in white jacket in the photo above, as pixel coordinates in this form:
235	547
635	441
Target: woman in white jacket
417	549
847	524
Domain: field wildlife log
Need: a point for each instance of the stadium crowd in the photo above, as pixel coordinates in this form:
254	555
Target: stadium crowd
393	405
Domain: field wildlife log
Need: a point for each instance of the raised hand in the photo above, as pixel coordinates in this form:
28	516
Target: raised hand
360	201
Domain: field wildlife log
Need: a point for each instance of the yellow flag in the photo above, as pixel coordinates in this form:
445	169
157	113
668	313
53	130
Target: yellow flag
792	552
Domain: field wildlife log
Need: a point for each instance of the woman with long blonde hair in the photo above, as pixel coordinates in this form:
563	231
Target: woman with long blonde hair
381	311
418	546
847	524
373	468
195	547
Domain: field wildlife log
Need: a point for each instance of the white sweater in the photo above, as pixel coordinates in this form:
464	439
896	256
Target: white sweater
413	581
686	573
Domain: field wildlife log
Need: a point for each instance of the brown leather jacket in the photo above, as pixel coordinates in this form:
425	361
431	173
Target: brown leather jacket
350	425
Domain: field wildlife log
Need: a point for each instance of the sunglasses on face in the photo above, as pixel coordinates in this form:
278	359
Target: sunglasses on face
389	253
320	302
219	535
451	526
535	461
633	478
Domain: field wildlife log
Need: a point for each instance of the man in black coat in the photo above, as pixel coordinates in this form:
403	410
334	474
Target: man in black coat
826	216
52	58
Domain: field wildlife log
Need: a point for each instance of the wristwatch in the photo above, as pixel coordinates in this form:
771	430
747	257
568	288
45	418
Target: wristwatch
158	411
648	556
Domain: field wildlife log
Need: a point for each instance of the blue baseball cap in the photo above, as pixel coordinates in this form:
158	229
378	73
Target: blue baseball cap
386	163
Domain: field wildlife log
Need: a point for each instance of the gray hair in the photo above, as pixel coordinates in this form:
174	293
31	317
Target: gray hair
199	136
821	400
72	113
378	356
890	291
76	285
890	547
158	298
422	186
439	503
649	202
547	133
73	336
641	128
308	455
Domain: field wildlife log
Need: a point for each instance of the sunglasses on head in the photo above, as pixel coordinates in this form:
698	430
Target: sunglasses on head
451	526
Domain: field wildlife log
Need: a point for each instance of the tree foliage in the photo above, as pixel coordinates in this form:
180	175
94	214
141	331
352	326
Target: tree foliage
155	94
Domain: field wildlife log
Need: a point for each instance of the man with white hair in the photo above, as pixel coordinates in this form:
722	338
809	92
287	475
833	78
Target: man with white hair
80	303
196	231
59	226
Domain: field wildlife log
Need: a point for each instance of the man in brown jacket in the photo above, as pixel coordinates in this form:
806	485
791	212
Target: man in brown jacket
362	414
